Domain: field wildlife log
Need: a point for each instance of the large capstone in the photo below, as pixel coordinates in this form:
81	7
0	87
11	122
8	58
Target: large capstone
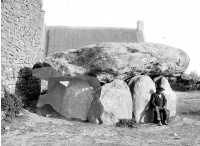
142	87
111	61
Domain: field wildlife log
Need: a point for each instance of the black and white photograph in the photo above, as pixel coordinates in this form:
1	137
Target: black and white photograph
100	72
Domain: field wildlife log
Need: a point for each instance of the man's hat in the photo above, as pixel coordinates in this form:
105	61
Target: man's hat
160	89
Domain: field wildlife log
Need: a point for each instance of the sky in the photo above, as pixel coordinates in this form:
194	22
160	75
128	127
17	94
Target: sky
171	22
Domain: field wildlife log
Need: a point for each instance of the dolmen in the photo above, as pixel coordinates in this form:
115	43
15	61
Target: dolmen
72	97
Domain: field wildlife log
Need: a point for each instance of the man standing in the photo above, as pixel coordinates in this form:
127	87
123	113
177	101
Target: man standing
159	102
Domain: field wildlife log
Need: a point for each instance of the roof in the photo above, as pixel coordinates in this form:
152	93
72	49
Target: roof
62	38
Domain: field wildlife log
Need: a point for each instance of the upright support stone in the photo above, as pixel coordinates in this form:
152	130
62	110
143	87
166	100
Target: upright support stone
142	87
116	101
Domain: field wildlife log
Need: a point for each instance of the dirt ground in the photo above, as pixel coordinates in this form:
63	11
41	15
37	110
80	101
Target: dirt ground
31	129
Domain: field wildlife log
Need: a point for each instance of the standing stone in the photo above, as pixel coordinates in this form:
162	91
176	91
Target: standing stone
54	95
142	87
77	99
70	99
117	102
169	94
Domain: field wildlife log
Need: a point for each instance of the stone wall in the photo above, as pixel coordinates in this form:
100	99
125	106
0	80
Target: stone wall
22	38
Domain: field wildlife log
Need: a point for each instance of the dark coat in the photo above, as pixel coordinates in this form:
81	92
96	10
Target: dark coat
157	101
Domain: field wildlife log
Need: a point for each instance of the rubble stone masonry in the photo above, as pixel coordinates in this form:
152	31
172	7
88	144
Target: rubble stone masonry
22	38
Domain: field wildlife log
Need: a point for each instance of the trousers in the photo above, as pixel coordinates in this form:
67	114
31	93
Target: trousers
159	111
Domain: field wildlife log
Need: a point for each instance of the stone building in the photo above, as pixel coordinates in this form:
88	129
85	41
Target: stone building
62	38
22	38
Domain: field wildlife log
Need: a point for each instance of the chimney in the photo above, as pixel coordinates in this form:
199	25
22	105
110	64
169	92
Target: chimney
140	25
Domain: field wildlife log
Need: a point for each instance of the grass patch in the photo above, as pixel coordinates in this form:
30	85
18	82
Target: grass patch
126	123
188	104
